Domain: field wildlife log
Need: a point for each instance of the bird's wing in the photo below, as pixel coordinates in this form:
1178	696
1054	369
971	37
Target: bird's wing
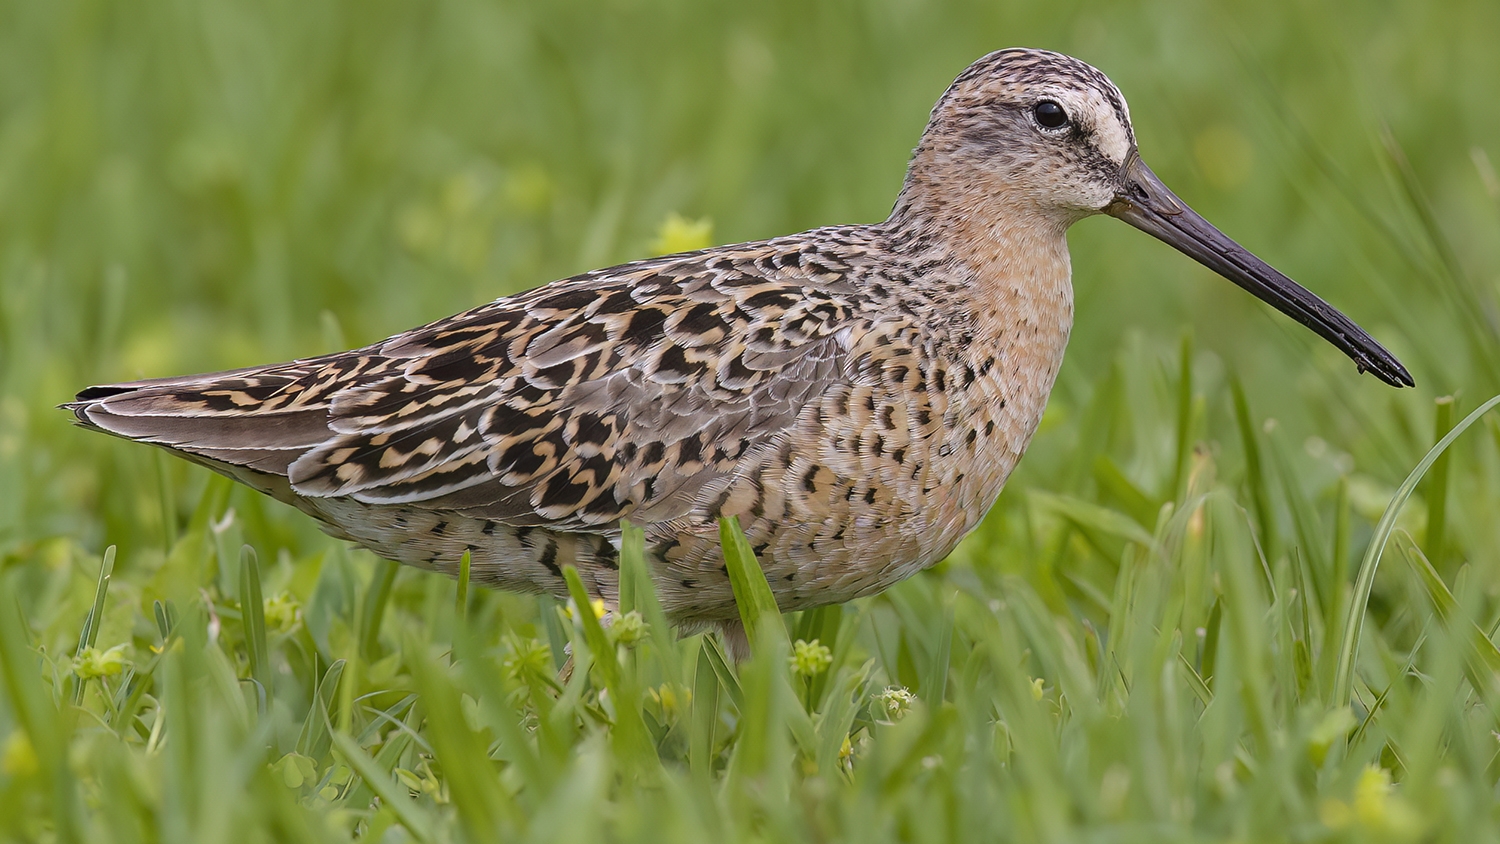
633	392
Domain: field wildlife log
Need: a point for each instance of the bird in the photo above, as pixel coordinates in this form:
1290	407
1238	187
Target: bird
855	395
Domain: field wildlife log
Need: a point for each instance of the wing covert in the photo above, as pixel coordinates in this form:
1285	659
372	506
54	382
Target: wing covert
589	400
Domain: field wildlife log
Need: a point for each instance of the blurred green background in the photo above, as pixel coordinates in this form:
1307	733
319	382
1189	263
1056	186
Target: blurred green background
194	185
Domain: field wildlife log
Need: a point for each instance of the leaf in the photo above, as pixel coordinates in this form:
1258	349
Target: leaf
752	594
377	596
95	619
484	806
411	815
630	736
313	740
1343	688
701	742
1088	516
638	593
253	615
1481	657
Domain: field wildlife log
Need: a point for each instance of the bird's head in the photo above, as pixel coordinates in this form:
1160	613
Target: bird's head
1032	128
1027	142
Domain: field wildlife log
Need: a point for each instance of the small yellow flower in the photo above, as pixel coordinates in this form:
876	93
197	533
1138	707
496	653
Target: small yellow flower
92	662
809	659
679	234
1038	688
597	605
673	699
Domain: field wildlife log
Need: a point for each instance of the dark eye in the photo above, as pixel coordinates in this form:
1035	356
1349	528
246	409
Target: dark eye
1050	115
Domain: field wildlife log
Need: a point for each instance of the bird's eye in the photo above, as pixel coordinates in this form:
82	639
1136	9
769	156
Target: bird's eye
1050	115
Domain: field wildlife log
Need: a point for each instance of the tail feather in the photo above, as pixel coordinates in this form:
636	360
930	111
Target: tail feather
226	418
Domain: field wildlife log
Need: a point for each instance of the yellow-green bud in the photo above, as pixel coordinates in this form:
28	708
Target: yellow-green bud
809	659
283	612
894	702
627	629
92	662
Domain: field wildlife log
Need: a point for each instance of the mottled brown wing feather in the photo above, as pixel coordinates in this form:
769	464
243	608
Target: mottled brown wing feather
631	392
635	394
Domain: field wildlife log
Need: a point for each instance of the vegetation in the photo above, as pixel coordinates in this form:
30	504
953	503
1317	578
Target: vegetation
1171	628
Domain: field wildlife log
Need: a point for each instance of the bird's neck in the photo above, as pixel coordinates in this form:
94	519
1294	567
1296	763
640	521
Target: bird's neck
1016	292
1014	249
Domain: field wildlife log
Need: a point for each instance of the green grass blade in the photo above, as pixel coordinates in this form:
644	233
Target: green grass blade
720	665
752	594
1093	520
253	615
702	740
1340	551
1435	491
516	746
413	817
1306	524
1255	478
313	740
1114	484
1184	433
638	593
630	735
1343	686
824	624
34	712
763	749
935	684
557	636
371	615
485	808
837	720
1483	657
593	632
90	633
166	619
360	793
1195	682
1246	606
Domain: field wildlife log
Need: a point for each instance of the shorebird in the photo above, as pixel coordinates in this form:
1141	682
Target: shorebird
855	395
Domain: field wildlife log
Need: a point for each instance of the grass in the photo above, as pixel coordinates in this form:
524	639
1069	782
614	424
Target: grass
1191	616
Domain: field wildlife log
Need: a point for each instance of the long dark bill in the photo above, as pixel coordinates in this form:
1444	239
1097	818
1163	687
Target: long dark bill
1148	205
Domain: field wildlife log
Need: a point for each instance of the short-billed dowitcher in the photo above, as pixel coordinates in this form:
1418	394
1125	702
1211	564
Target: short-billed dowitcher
856	395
